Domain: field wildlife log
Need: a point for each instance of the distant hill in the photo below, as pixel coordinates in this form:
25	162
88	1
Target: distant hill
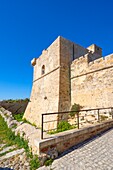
15	106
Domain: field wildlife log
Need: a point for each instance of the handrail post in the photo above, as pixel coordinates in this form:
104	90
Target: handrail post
42	128
78	119
98	116
112	112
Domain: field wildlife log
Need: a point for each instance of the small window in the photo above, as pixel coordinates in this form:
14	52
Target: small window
43	70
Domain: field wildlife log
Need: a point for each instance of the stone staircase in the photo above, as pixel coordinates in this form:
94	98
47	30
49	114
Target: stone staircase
12	158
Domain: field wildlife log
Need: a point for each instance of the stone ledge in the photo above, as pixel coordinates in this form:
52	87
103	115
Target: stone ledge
13	153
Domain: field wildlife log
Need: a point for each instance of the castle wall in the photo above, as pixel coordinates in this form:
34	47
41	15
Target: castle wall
92	82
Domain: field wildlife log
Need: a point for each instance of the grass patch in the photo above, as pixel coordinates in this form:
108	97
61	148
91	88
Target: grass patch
18	117
34	163
62	126
8	137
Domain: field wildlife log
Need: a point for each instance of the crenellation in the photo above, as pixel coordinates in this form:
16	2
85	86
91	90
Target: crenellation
99	60
44	52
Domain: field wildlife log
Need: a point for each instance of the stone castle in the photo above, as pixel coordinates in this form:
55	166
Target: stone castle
67	73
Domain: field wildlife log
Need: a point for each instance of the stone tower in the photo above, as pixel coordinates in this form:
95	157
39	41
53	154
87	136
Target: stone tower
51	90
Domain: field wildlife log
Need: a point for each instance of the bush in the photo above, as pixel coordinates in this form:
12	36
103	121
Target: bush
19	116
48	162
76	108
34	163
62	126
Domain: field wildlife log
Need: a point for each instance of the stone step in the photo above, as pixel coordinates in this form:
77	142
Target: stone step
2	145
11	154
7	149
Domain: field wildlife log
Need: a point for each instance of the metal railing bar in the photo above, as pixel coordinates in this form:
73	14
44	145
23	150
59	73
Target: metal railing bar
77	111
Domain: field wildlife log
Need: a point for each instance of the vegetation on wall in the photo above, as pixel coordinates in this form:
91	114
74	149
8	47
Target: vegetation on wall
103	117
62	126
75	109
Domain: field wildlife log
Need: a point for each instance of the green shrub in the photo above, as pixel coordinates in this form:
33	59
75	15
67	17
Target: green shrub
48	162
34	163
62	126
75	107
18	117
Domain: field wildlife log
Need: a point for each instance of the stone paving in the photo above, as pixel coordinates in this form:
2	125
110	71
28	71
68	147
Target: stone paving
94	154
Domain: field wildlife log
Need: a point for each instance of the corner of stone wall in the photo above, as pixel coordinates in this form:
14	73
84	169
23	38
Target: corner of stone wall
27	113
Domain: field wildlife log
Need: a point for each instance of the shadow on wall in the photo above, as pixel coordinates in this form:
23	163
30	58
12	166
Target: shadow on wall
15	106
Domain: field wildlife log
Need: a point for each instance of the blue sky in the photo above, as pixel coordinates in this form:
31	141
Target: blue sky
29	26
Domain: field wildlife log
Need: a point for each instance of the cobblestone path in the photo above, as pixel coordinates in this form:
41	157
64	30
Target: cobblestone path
95	154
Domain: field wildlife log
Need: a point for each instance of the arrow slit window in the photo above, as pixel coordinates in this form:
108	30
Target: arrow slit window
43	70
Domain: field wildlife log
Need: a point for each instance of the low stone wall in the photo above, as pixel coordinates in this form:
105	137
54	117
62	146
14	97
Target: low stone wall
25	130
65	140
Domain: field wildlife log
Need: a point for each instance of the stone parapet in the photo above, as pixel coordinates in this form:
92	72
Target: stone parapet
64	140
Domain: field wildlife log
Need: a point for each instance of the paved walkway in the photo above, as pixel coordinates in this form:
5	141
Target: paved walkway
95	154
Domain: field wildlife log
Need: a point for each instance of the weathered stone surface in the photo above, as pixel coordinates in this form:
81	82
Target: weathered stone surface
91	83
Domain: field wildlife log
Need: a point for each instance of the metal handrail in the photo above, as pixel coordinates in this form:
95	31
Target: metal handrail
67	112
